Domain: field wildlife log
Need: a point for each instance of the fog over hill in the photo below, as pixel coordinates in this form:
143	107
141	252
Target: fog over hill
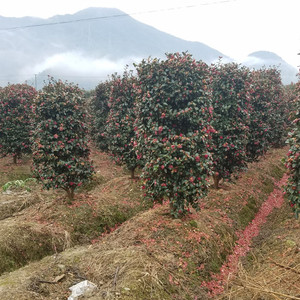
86	51
266	59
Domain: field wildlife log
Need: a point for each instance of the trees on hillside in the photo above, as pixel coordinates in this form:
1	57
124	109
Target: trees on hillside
60	150
15	119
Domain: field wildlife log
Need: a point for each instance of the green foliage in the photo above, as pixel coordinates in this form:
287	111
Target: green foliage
173	114
120	122
276	113
98	111
18	184
15	119
60	150
293	159
260	130
268	112
290	94
248	212
230	84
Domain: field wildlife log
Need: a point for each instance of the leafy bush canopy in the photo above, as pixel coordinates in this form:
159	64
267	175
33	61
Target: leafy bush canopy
173	114
293	159
277	113
231	102
60	150
260	129
120	121
98	111
268	114
15	119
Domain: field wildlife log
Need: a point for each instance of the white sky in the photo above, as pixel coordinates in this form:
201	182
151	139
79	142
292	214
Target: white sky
234	27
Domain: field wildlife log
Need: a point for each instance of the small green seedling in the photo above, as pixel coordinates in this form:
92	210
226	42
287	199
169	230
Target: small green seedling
18	184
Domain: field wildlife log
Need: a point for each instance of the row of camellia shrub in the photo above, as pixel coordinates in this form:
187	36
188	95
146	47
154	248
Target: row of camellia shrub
51	125
183	121
293	159
15	119
178	119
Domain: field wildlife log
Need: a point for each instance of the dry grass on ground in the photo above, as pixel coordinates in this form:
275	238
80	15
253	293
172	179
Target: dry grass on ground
151	256
37	223
271	271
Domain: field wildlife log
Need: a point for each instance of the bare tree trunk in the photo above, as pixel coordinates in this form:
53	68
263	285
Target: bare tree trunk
132	173
17	155
70	194
216	178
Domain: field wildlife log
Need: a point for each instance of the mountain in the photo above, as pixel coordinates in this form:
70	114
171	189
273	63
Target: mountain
93	43
266	59
84	50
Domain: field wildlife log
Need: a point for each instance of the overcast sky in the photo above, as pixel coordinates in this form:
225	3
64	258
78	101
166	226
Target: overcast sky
234	27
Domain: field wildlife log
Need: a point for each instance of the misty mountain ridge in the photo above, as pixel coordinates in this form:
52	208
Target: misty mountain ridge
87	51
262	59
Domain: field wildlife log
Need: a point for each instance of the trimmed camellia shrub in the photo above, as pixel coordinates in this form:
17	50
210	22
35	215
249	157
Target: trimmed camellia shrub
259	127
293	159
98	111
120	122
173	114
278	108
270	108
268	113
60	150
15	119
230	85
